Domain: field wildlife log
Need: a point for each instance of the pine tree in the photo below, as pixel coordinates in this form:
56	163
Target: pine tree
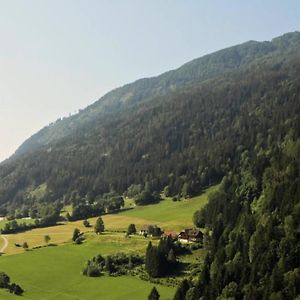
171	257
148	258
182	290
131	229
154	261
154	295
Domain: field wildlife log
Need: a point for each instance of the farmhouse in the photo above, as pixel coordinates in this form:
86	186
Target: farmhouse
152	230
190	235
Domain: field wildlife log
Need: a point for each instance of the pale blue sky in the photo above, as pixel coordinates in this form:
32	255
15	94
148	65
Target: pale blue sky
58	56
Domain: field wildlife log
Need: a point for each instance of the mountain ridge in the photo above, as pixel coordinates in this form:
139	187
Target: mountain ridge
197	70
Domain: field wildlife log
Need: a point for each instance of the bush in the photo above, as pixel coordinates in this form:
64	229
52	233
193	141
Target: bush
115	265
5	283
86	223
25	246
15	289
146	197
76	234
4	280
195	246
79	240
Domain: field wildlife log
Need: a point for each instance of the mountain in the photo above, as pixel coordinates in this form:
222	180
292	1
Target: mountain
144	90
232	117
182	128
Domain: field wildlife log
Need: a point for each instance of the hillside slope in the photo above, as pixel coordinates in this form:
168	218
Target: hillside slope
143	90
184	140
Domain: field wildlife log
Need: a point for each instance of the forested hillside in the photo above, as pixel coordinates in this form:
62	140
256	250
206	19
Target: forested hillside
144	90
254	249
181	142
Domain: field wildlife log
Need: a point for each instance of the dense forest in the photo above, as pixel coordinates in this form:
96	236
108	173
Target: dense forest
254	248
209	121
181	141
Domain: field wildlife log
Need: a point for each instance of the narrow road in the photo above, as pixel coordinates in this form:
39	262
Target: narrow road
5	244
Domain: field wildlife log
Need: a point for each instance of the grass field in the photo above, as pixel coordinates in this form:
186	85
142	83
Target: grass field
59	234
54	273
168	214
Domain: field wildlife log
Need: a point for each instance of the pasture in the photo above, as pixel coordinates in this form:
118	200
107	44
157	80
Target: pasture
168	214
55	273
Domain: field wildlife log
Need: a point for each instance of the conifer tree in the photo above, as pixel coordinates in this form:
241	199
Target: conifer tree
154	295
182	290
131	229
153	261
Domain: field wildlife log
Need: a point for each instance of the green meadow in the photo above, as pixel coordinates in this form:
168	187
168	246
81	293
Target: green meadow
54	272
172	215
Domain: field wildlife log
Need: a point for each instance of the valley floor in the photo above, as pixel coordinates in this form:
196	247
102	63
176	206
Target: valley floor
54	272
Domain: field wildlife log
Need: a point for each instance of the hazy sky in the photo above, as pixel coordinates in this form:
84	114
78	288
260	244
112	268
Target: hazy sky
58	56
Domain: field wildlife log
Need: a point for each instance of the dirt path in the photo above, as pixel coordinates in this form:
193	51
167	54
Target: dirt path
5	243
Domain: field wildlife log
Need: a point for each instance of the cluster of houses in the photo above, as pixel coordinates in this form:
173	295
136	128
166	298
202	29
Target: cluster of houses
188	235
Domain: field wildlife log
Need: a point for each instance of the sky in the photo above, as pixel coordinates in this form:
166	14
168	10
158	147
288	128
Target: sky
58	56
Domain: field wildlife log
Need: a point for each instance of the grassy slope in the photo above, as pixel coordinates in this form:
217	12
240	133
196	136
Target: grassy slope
54	273
168	214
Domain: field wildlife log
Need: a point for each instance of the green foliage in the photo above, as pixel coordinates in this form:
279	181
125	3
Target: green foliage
161	260
65	267
254	245
134	190
25	246
12	287
88	207
154	295
229	292
15	289
4	280
182	290
99	226
47	214
117	264
76	234
47	239
180	139
146	197
131	229
154	262
86	223
79	240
